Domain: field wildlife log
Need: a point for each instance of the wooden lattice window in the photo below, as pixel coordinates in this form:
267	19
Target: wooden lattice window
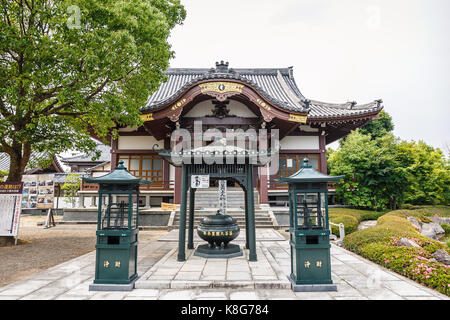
149	167
291	163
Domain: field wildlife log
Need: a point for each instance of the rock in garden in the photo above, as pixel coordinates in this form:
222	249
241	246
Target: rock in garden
414	222
431	230
445	220
404	242
442	256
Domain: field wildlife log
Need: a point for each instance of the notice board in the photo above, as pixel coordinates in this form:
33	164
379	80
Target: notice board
10	208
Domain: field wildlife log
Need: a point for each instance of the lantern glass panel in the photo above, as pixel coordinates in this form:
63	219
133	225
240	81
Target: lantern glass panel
309	210
135	209
114	212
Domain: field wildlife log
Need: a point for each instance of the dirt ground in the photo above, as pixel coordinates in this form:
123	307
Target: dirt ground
39	249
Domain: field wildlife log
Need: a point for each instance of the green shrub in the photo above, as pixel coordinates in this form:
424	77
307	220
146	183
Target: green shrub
431	211
350	223
419	214
372	215
351	218
446	228
379	244
413	263
408	206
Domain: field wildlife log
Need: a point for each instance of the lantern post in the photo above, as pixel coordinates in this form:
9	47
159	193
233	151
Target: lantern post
309	230
117	230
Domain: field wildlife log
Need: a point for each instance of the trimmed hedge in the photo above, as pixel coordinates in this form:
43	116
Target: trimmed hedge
379	244
351	218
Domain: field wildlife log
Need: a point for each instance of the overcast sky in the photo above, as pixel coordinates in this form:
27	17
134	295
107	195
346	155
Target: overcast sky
341	50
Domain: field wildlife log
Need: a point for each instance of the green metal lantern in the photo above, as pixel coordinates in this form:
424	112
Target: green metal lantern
117	230
309	230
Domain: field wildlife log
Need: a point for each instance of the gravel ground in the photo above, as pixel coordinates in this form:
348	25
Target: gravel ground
39	249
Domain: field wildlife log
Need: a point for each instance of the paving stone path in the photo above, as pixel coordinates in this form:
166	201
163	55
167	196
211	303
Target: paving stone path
162	277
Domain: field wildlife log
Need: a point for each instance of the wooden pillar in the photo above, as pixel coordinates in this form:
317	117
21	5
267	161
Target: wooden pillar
323	154
182	230
114	156
263	194
191	218
166	166
177	188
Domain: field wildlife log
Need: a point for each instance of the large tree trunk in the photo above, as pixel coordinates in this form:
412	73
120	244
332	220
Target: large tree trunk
18	161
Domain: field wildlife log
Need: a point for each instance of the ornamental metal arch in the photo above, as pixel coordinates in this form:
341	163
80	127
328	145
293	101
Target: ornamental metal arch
240	172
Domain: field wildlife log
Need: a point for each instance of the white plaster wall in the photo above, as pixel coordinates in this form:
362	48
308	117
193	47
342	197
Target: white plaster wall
204	108
171	173
299	142
138	142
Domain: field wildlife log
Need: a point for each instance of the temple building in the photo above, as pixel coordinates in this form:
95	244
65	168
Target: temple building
231	99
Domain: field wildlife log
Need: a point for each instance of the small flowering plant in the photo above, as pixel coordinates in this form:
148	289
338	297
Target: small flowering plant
414	263
380	244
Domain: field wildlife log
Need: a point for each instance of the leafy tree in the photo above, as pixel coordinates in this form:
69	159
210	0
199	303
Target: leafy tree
380	127
72	69
72	184
374	176
376	128
3	173
429	181
386	172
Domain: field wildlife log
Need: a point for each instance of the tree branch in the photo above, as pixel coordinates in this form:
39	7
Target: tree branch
3	110
73	114
98	90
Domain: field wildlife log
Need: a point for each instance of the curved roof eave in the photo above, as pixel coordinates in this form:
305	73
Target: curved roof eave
276	85
290	106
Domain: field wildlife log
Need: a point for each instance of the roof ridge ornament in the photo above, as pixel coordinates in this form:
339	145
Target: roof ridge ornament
222	67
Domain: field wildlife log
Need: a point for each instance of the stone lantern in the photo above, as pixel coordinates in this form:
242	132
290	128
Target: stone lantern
309	230
117	230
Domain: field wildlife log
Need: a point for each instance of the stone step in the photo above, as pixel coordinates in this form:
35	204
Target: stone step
197	222
210	198
242	226
262	218
237	219
199	218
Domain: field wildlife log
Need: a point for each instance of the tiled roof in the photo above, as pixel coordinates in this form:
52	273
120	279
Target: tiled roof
105	156
275	84
61	177
320	110
5	161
